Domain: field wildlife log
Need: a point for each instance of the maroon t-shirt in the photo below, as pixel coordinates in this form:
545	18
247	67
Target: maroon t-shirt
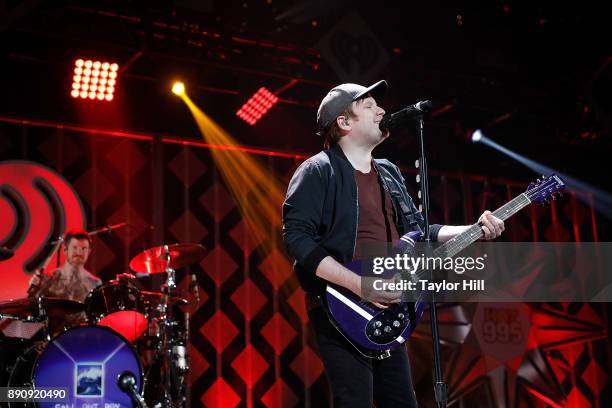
376	224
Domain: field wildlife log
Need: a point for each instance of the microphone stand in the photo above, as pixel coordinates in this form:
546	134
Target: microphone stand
439	385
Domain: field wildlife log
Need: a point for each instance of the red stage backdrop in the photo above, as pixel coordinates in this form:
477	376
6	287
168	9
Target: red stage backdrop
250	340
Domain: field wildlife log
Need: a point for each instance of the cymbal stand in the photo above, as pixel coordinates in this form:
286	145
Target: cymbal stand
166	346
42	316
169	345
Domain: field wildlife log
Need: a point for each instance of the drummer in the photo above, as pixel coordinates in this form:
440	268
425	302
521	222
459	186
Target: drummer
70	281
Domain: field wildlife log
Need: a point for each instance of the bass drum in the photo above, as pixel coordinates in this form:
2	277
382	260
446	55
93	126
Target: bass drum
86	361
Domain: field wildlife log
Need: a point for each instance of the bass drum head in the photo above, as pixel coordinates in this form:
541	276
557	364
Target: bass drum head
87	361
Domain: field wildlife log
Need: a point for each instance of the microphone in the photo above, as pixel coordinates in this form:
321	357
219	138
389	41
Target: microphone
6	253
127	384
393	120
193	286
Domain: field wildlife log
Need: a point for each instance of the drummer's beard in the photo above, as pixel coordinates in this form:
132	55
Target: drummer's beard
75	263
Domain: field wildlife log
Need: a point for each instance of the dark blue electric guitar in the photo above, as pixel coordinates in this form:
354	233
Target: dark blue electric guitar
377	331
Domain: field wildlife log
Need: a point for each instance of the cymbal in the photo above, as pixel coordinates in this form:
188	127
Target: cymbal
152	260
26	307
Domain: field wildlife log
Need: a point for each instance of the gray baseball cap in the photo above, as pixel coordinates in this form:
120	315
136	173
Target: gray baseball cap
340	98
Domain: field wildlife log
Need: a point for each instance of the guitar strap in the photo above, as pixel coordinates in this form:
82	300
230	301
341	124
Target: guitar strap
399	202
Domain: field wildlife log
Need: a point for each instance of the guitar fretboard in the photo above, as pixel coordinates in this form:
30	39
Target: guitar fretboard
463	240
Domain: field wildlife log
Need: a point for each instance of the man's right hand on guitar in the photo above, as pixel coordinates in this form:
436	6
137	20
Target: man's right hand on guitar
380	298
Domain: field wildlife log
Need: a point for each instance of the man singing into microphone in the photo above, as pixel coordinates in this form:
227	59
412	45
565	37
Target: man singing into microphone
70	281
337	201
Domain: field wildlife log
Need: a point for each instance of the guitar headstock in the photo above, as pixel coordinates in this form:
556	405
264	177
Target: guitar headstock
542	190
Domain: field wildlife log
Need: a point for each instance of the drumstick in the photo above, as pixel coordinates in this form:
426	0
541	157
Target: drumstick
41	269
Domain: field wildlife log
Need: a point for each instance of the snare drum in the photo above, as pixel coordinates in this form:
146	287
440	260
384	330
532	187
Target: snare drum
118	306
86	361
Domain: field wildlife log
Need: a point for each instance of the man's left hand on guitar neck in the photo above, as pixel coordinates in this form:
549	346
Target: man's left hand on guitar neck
492	227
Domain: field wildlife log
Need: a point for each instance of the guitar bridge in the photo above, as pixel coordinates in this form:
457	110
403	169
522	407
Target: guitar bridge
383	355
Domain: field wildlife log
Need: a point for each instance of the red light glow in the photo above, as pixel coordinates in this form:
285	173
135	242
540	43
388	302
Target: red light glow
257	106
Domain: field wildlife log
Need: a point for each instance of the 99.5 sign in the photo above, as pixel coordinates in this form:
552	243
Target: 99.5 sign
501	329
501	326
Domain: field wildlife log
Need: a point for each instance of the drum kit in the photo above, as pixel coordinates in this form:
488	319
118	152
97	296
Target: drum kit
133	350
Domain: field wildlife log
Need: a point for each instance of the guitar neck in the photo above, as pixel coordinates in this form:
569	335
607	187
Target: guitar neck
474	232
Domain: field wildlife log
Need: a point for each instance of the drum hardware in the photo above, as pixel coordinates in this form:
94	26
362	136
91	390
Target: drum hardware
118	306
159	259
172	346
127	384
37	309
153	324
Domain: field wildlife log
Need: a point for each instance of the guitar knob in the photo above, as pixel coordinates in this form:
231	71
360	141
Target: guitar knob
400	316
387	329
377	323
396	323
377	332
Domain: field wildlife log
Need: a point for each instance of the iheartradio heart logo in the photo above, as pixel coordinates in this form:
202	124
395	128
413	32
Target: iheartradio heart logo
37	205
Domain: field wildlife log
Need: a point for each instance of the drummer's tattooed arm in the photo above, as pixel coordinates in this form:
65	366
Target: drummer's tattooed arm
36	282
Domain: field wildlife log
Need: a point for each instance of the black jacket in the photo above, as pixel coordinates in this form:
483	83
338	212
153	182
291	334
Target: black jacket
321	212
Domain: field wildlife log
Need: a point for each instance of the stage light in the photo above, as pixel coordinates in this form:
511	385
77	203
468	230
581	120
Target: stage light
178	88
88	74
585	192
476	136
257	106
258	194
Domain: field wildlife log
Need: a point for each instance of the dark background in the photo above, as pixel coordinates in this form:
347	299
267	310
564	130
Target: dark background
536	78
